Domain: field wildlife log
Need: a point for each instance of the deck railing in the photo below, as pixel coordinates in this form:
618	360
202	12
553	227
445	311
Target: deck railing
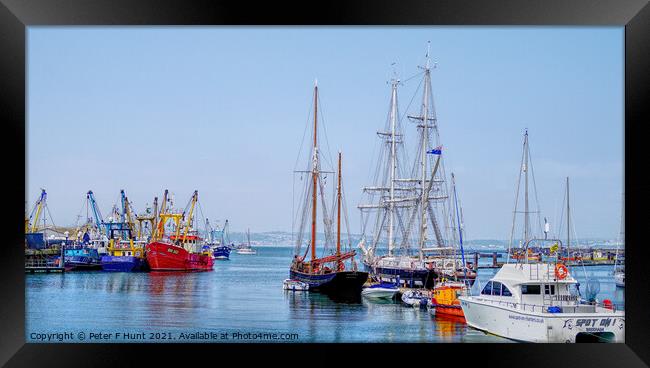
580	308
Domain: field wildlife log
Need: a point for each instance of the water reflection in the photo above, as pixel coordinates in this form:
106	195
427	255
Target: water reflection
243	295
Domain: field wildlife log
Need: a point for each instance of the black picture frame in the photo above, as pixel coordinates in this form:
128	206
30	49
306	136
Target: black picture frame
16	15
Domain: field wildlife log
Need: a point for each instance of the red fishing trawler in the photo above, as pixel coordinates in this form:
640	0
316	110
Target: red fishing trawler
177	252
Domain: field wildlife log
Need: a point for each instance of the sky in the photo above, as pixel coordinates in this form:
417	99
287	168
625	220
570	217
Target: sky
223	110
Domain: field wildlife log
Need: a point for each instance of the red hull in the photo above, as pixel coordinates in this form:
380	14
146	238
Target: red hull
169	257
449	310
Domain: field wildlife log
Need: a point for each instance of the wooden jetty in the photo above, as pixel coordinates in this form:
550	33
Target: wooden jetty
495	256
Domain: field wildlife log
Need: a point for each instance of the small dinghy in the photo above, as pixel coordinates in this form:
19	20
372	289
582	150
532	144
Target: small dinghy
295	285
382	290
415	298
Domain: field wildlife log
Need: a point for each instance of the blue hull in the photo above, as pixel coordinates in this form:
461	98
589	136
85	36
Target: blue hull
82	259
314	281
222	253
123	264
346	283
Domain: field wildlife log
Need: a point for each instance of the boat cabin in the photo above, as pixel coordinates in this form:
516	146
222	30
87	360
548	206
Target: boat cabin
534	287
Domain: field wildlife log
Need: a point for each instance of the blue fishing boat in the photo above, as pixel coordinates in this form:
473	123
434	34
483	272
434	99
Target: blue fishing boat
221	252
124	253
217	240
124	256
82	257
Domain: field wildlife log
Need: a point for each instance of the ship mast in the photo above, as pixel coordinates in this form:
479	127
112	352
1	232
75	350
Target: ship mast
568	216
423	157
525	168
393	167
338	219
314	173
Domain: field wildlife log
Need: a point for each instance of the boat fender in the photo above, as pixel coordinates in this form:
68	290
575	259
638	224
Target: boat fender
608	304
561	271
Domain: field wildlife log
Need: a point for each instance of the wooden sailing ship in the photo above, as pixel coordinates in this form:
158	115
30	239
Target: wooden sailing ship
329	273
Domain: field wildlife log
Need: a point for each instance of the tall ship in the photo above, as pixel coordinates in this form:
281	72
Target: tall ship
408	226
178	252
334	272
539	300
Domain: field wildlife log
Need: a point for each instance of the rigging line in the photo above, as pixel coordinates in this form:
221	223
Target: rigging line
304	133
76	225
584	269
532	174
411	77
401	119
560	227
322	125
514	214
345	216
293	200
326	217
47	208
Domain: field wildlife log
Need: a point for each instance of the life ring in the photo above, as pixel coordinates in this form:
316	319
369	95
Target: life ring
561	271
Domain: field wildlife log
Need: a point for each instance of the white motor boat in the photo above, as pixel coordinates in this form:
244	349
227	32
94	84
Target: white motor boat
295	285
619	278
415	298
246	251
532	302
380	291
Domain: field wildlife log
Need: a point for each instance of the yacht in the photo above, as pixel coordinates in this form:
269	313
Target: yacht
533	302
539	301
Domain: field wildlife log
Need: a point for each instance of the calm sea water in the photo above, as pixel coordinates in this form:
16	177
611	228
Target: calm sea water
240	301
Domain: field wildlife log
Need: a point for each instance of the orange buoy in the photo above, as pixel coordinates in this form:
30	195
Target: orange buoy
561	271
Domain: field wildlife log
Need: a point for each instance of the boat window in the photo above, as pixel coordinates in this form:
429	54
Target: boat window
530	289
496	288
505	291
549	289
487	290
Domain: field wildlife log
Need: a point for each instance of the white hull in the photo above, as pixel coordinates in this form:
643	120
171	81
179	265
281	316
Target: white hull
619	279
415	299
537	326
293	285
379	293
245	251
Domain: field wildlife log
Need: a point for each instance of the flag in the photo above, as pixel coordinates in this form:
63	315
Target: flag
436	151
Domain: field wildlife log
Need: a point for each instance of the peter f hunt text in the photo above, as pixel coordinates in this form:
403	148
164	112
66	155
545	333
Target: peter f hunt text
99	336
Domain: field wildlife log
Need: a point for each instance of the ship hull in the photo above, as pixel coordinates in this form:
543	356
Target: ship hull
531	326
82	259
169	257
123	264
448	310
221	253
82	264
412	278
337	283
